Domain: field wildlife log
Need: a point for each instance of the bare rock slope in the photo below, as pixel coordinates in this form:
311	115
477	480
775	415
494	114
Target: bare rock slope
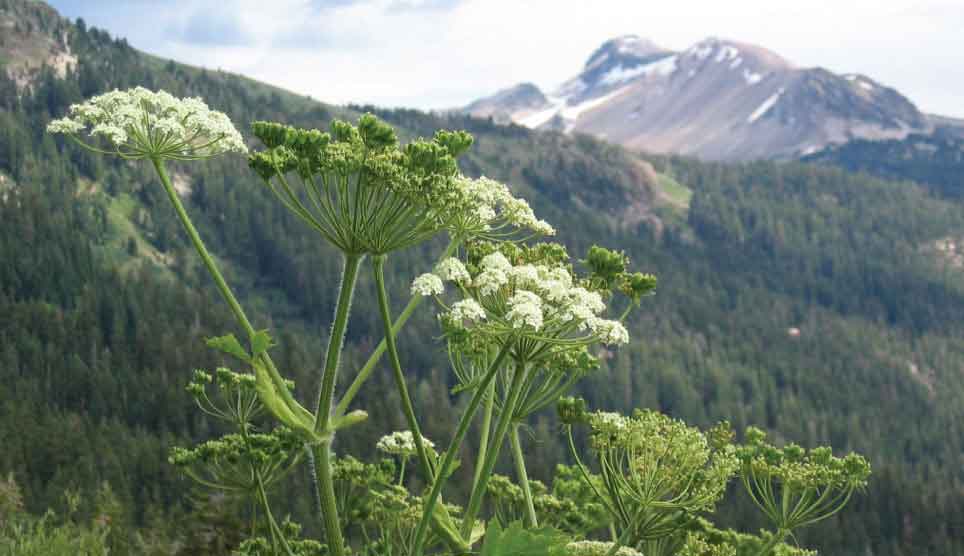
719	99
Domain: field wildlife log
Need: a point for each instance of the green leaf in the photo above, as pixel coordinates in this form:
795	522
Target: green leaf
260	342
516	540
230	345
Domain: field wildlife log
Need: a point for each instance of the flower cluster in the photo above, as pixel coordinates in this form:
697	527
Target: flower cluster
795	487
139	123
657	469
696	545
801	469
398	196
598	548
401	443
492	211
537	295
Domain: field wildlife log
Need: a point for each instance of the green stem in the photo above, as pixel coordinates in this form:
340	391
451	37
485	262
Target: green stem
277	534
776	539
376	355
453	448
334	539
329	510
520	468
484	438
619	543
336	340
201	249
505	420
378	265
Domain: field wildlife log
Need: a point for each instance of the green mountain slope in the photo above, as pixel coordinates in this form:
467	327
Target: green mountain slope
806	300
937	161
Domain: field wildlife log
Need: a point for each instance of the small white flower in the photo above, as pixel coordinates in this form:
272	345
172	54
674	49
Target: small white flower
64	125
453	270
142	123
608	419
110	131
490	280
611	332
427	284
597	548
467	309
496	261
525	309
401	443
526	276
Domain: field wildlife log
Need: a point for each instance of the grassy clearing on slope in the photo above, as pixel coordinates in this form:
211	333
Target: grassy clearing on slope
674	192
127	244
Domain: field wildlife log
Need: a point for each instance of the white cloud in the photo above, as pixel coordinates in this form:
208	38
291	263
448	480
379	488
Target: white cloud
442	53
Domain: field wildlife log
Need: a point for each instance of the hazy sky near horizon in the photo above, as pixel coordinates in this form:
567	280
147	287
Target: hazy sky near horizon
446	53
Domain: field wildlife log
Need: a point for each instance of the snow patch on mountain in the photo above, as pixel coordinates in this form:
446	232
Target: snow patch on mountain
620	74
766	106
726	53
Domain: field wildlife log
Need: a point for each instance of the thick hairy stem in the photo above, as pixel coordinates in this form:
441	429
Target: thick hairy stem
505	420
520	468
329	510
321	467
425	465
376	355
454	446
336	341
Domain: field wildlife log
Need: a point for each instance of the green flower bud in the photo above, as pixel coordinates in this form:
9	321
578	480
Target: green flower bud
376	134
572	410
637	284
606	265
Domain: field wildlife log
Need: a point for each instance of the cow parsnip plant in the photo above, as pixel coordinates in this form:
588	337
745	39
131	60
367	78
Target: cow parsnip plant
522	322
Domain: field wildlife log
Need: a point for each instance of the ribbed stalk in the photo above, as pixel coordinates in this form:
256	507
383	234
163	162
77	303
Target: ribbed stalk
520	469
378	266
484	436
376	355
201	249
329	510
336	340
505	420
330	515
453	449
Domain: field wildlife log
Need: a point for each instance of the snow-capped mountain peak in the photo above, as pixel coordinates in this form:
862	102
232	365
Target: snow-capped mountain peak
718	99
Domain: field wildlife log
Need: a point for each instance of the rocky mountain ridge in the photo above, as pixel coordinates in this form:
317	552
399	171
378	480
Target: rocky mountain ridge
719	100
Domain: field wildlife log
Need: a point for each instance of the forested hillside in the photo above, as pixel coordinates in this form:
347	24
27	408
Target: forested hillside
936	161
813	302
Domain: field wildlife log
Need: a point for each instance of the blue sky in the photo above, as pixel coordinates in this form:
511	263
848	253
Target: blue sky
445	53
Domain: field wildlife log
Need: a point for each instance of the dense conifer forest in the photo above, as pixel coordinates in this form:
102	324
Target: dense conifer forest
824	306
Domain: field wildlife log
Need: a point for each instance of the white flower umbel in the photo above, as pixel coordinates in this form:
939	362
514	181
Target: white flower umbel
494	213
427	284
525	309
139	123
467	310
610	332
452	269
539	299
401	443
